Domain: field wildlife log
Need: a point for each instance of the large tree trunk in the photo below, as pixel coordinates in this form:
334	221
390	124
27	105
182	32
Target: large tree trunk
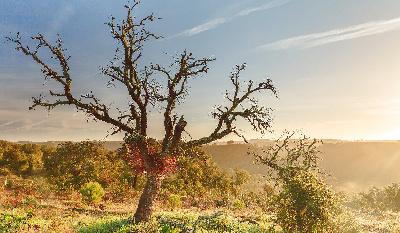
148	197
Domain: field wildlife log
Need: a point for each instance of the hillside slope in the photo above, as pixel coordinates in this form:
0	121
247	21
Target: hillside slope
353	166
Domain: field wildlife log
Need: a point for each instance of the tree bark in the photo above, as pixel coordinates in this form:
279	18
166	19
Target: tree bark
148	197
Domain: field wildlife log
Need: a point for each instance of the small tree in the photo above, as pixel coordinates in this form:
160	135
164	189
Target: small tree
305	203
15	160
20	159
144	92
71	165
34	155
92	193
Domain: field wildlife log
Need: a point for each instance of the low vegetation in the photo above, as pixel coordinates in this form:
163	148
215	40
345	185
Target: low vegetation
90	197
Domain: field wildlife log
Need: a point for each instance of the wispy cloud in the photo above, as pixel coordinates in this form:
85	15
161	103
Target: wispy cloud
261	8
9	123
26	127
204	27
340	34
217	22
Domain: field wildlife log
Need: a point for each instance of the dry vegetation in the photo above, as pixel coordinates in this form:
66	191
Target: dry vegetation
23	208
33	203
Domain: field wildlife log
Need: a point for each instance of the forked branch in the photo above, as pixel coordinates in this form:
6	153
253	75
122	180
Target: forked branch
259	117
93	108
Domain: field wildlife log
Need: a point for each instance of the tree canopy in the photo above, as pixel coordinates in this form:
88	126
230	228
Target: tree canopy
145	90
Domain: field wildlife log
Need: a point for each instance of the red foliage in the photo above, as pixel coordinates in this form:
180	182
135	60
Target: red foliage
160	165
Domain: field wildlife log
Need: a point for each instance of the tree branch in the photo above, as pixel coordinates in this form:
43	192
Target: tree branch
259	117
93	108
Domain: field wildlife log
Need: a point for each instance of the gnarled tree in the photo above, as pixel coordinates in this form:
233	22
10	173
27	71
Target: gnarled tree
156	157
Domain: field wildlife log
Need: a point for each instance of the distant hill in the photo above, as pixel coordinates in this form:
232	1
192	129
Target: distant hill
359	165
353	166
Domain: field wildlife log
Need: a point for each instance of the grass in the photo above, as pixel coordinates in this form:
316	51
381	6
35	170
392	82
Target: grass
24	210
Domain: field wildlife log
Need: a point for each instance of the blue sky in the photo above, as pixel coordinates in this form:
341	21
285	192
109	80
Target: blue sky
335	63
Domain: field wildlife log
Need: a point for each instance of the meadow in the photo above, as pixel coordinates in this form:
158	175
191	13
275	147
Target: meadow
33	200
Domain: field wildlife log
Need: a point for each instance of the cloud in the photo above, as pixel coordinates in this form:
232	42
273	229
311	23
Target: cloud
204	27
263	7
216	22
28	125
9	123
317	39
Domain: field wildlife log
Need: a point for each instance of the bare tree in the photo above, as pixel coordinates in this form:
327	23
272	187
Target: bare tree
145	92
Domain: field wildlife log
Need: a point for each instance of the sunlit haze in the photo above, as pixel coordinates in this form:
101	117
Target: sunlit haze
335	64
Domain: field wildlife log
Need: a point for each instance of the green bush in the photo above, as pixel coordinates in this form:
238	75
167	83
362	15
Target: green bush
20	159
31	200
237	204
173	201
92	192
305	204
71	165
199	176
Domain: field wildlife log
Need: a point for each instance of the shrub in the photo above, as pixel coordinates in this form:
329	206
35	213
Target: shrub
305	204
92	192
380	199
237	204
42	187
198	175
174	201
71	165
20	159
345	222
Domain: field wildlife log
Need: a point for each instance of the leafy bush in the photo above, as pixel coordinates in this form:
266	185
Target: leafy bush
237	204
31	200
20	159
380	199
305	203
173	201
71	165
198	176
42	187
392	193
92	192
211	223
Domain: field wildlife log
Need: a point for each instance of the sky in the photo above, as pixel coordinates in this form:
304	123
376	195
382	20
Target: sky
335	64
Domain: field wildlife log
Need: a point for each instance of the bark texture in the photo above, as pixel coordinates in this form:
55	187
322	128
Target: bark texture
148	197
